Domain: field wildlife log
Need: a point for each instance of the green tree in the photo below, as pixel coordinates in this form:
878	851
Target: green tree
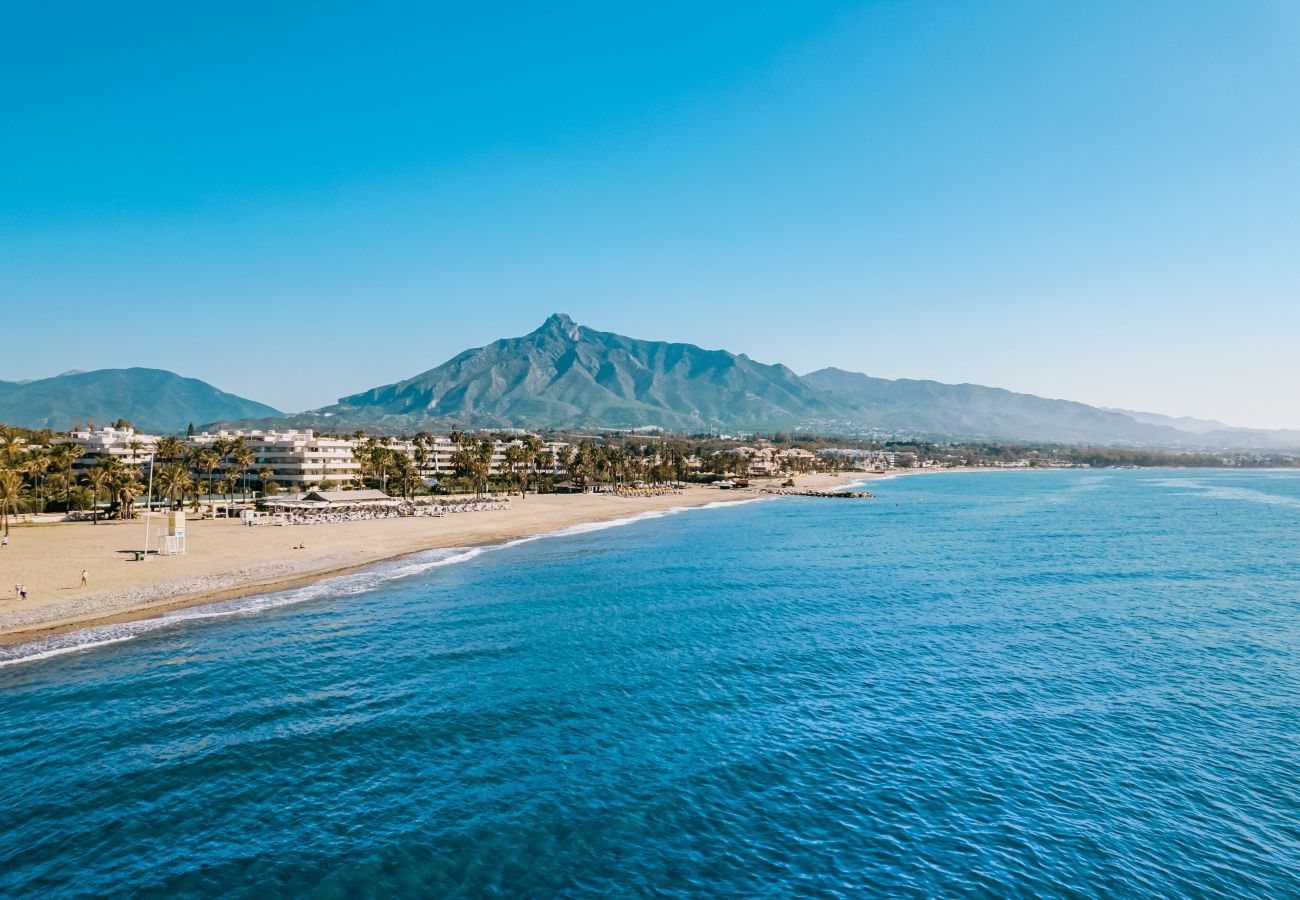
65	457
243	457
174	483
515	458
98	480
115	468
169	449
207	461
11	490
128	489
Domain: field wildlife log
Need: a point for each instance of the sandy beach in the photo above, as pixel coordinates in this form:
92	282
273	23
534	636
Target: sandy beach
227	559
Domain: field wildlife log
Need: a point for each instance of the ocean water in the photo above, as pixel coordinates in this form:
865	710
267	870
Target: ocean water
1058	684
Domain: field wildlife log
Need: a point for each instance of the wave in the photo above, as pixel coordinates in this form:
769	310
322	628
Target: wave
356	582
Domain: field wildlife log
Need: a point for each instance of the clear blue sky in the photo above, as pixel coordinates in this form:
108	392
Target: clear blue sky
1092	200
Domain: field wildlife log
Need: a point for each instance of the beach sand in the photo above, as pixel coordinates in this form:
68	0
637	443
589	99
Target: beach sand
227	559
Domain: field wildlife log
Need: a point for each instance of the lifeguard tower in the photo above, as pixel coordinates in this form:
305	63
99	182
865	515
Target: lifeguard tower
173	542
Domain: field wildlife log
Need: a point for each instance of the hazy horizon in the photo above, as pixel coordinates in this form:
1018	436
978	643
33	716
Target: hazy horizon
1094	204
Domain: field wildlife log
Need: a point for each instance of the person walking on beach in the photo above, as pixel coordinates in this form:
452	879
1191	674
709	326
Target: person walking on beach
4	541
22	592
85	577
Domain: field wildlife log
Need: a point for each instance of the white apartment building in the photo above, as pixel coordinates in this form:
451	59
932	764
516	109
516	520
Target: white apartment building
438	454
300	458
296	458
124	444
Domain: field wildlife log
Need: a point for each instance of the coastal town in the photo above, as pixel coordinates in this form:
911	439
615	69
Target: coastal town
112	471
83	509
229	513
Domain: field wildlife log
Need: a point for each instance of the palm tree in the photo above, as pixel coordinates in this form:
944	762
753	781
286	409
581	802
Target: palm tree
545	463
11	444
533	449
473	461
34	467
55	485
229	482
582	463
11	489
515	456
98	479
420	450
564	458
128	488
366	454
65	456
208	461
408	476
243	457
115	468
174	483
168	449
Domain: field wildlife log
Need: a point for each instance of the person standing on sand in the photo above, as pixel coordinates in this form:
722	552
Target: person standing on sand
4	541
85	577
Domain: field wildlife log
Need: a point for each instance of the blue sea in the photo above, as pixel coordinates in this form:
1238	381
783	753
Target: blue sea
1020	684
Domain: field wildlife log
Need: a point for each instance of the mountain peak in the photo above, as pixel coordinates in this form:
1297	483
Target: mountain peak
561	325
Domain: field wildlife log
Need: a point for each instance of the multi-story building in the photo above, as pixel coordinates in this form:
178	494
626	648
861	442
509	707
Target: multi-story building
123	444
437	455
303	458
295	458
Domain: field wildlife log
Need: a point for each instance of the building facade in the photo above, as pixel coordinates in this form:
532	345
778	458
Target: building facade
299	459
295	458
123	444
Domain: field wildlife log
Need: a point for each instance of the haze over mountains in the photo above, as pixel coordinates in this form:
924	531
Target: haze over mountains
564	375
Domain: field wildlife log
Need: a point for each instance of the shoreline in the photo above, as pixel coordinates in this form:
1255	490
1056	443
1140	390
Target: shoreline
135	599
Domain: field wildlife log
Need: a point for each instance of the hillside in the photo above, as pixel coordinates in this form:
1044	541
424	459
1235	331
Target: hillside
564	375
974	411
567	375
151	399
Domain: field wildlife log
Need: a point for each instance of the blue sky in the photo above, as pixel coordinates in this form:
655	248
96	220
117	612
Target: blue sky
1098	201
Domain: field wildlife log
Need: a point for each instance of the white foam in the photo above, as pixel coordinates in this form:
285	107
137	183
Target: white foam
59	651
338	586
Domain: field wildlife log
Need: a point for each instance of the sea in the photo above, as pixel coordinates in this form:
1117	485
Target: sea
1067	684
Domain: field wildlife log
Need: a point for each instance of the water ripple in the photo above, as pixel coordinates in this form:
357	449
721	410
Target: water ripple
1057	685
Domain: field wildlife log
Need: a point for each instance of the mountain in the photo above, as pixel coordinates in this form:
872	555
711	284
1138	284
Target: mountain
1182	423
1213	433
151	399
974	411
566	375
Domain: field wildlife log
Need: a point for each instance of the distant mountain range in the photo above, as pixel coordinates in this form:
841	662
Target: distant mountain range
1216	433
564	375
151	399
971	410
